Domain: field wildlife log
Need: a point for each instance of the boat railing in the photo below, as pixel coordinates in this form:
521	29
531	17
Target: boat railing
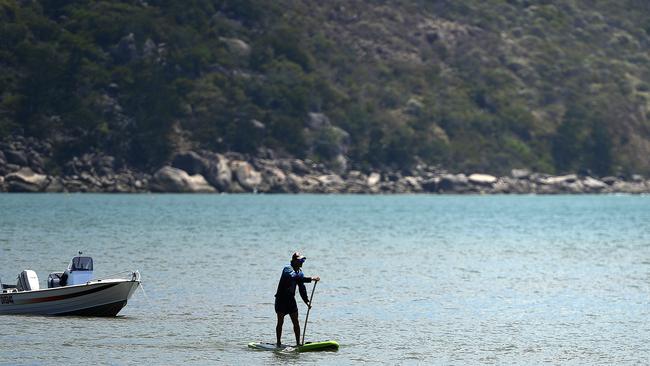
134	276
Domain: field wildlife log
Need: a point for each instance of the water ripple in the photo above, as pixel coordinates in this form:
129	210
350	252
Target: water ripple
406	279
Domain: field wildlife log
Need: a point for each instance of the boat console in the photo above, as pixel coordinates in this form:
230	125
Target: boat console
80	271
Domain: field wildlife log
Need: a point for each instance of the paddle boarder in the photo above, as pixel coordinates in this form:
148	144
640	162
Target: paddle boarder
285	296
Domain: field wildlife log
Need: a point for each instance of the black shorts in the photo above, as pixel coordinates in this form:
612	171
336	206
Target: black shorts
285	305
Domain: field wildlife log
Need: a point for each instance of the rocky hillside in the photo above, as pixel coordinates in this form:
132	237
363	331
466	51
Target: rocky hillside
472	85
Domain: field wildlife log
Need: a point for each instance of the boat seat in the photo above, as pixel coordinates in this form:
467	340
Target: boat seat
64	279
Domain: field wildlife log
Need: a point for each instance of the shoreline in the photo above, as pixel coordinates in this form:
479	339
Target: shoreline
22	169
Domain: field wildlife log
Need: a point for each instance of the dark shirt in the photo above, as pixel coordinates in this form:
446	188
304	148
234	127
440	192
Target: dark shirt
287	285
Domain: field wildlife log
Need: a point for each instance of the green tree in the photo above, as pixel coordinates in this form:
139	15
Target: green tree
599	149
154	104
568	139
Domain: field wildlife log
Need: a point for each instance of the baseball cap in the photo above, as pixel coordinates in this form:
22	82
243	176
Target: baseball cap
298	257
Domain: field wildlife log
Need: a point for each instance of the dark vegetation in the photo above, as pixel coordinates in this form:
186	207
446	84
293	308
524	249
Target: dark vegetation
554	86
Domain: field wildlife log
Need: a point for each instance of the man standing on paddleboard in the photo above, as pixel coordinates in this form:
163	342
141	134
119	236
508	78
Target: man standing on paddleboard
285	297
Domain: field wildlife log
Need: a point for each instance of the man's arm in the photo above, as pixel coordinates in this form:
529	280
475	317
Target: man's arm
303	292
304	279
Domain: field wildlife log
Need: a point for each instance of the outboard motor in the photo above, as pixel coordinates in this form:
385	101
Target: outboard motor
27	281
79	271
54	279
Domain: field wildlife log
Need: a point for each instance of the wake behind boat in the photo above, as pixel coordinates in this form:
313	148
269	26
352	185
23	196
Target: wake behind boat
73	292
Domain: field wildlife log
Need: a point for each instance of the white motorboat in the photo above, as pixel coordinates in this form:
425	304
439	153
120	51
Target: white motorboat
73	292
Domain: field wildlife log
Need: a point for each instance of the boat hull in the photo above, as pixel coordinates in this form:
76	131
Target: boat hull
100	298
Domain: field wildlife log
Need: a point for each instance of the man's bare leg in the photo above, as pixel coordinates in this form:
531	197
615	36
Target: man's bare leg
296	326
278	328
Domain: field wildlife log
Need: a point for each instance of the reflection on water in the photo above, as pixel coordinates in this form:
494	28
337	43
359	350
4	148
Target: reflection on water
405	279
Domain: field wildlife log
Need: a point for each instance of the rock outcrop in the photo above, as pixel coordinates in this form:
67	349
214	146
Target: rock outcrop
25	180
218	173
174	180
191	162
23	163
246	175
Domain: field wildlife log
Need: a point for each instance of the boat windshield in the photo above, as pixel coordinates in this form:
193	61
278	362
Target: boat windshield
82	264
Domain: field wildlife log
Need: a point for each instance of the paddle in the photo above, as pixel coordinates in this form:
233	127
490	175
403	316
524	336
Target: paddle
309	308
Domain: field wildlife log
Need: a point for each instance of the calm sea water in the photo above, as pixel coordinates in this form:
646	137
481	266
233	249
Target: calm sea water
409	279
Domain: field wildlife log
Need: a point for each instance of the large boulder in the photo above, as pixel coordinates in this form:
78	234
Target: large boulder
249	178
629	187
594	185
91	181
16	157
609	180
357	176
306	184
55	186
299	167
122	183
373	179
237	46
637	178
190	162
503	185
356	182
430	184
411	183
331	183
513	185
520	173
574	187
104	165
330	180
295	183
218	172
126	49
482	179
25	180
168	179
36	162
275	179
453	183
318	120
74	185
154	52
559	180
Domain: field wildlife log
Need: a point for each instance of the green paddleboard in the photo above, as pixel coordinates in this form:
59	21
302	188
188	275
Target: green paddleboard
307	347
